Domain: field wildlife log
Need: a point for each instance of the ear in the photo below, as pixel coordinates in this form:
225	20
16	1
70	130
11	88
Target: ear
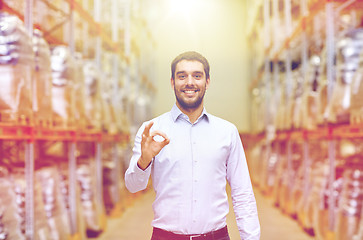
172	83
207	83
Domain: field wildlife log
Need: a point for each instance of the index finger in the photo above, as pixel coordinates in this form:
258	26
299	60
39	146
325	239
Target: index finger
146	132
159	133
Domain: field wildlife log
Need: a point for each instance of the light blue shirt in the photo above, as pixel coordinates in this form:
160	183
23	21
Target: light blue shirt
189	176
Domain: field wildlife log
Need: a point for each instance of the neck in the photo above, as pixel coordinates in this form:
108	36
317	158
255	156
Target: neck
192	113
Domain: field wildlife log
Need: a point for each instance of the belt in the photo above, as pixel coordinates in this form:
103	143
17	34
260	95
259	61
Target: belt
206	236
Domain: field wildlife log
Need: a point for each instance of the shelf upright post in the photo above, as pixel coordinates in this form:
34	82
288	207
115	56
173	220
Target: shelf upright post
267	77
127	47
29	191
266	25
99	179
85	5
72	161
99	166
276	86
276	23
304	65
28	17
330	83
304	41
97	18
71	28
115	75
72	184
29	148
276	67
288	79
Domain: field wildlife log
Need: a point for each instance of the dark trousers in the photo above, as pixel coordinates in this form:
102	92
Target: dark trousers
159	234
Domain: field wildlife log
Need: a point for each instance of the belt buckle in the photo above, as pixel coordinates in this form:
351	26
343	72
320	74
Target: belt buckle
194	236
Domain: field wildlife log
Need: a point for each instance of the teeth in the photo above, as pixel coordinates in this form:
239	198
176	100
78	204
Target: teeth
189	91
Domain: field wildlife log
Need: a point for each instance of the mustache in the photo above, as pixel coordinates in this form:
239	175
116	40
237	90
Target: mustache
190	88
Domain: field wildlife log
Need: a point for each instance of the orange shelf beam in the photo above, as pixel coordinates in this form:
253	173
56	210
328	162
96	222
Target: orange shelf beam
32	133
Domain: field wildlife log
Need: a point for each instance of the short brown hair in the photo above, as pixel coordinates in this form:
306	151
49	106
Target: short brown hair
190	56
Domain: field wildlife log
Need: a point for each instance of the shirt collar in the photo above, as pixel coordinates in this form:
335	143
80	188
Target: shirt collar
176	113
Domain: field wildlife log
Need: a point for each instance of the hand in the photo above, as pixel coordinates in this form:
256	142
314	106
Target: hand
149	147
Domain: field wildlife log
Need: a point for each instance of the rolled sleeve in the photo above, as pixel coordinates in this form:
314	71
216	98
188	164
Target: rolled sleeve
137	179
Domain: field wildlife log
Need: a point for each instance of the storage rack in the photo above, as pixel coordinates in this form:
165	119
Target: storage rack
121	50
261	28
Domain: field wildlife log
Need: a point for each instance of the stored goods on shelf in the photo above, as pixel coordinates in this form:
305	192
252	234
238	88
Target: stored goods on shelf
281	116
54	204
93	210
349	48
309	110
41	227
351	200
11	221
290	179
63	80
109	112
92	101
321	195
356	101
359	235
269	166
306	204
80	225
111	179
294	102
281	166
16	70
42	82
80	96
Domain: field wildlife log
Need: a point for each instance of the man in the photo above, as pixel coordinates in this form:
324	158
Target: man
190	154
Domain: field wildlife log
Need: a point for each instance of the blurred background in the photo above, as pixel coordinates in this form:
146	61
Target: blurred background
78	78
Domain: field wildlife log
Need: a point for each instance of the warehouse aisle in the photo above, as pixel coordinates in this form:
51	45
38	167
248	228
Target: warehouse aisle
134	224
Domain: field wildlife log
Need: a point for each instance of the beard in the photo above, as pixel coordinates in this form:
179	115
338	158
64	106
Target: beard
190	105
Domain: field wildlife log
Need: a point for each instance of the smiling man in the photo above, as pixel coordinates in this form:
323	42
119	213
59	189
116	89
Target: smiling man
190	155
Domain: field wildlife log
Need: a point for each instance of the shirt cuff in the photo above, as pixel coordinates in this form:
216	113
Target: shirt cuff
143	171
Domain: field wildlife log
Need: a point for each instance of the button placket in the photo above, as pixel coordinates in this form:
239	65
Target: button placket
194	180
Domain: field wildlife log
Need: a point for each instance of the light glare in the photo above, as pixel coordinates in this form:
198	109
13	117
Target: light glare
181	6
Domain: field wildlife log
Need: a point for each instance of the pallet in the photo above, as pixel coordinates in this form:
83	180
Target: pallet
43	123
15	118
58	122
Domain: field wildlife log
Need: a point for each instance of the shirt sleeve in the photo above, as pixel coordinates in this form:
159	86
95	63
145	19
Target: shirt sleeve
243	198
137	179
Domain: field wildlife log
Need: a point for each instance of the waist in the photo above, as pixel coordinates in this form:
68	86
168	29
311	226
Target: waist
157	232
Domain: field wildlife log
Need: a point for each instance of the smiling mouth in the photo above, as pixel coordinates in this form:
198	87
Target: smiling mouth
190	91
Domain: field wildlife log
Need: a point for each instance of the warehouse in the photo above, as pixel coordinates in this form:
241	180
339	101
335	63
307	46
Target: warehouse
79	78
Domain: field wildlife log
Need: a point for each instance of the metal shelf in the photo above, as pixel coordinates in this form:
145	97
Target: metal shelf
303	22
71	136
272	52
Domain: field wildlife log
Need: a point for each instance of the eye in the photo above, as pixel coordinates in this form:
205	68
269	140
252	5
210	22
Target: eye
182	76
198	76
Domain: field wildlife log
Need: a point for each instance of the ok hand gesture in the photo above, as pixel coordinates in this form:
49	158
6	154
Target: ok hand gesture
149	146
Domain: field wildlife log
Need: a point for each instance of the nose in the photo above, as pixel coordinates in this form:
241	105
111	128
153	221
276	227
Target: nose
190	80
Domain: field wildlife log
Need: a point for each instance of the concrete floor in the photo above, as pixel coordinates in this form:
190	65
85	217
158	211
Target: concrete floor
134	223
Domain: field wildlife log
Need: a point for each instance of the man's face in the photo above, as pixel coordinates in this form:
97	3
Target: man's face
190	84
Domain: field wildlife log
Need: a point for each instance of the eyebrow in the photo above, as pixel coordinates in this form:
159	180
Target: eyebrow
180	72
